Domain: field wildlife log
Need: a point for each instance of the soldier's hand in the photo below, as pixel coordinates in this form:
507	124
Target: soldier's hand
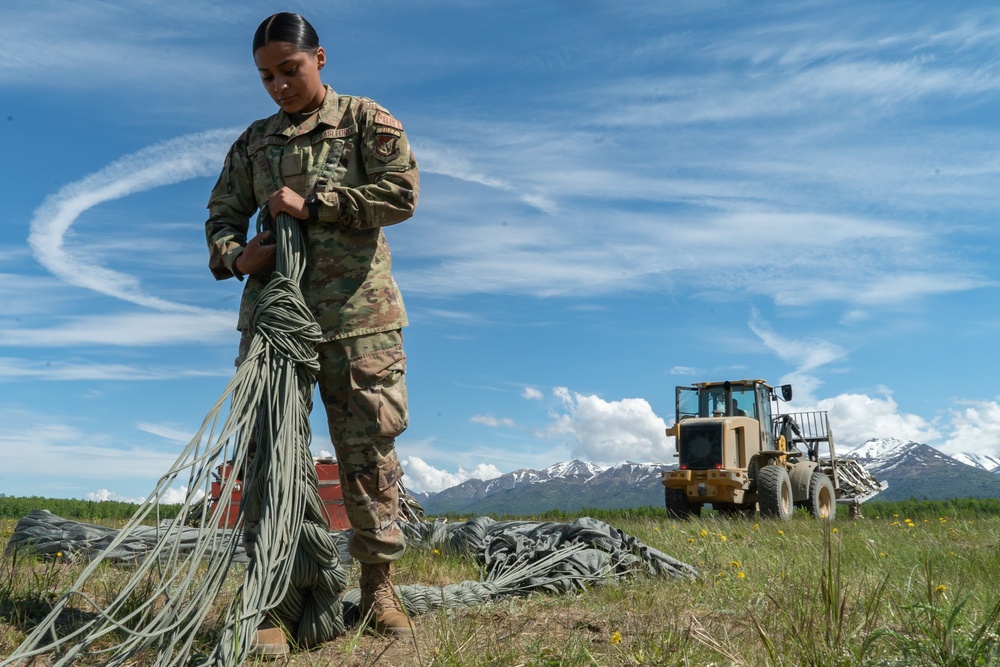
287	201
258	257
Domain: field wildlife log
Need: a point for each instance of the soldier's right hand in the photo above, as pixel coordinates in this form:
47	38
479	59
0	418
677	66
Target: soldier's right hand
258	256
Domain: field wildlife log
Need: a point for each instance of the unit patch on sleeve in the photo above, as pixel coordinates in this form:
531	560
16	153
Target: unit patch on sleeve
386	144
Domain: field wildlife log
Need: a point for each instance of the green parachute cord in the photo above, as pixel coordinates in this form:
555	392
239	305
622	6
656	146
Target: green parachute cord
295	573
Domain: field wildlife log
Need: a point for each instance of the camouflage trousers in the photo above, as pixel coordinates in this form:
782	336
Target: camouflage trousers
362	383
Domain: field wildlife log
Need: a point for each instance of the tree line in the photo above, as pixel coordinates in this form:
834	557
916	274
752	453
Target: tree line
14	507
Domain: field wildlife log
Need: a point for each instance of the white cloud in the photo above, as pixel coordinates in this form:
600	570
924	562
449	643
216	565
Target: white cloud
104	494
531	394
806	354
143	329
421	476
975	428
168	162
42	455
172	496
166	431
175	496
134	59
609	432
856	418
724	255
449	162
23	369
490	420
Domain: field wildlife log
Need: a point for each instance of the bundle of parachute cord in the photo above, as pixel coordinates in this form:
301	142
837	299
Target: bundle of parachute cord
259	428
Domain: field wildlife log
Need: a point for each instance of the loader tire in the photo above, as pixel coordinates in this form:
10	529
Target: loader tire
822	502
678	505
774	492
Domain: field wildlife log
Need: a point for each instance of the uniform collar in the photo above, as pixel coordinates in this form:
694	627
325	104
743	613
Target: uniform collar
329	114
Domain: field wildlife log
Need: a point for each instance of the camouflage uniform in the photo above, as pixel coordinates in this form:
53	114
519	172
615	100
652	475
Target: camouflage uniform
354	156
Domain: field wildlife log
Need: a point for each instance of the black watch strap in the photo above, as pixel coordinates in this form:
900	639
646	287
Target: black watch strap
312	205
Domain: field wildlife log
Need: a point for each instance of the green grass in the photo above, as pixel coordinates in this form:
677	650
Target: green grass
881	591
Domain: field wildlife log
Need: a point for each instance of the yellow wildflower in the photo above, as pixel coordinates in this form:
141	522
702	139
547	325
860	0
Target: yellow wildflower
741	574
722	537
616	637
735	563
941	588
703	533
781	532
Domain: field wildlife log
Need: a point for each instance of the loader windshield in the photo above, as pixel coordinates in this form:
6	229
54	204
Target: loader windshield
744	402
710	401
687	403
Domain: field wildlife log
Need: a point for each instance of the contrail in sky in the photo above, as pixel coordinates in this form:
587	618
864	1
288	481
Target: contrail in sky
165	163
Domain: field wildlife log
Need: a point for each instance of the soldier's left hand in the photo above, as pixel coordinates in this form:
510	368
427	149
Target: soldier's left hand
287	201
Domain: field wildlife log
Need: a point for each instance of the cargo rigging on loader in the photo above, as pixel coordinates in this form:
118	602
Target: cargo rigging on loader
737	452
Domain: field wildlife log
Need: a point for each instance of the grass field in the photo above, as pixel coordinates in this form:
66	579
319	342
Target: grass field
902	589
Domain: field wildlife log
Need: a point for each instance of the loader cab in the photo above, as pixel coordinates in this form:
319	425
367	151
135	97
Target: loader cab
744	398
709	399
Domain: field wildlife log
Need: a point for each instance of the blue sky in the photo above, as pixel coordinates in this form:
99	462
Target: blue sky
616	198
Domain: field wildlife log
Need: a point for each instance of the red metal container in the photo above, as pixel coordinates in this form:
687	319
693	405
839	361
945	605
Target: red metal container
329	492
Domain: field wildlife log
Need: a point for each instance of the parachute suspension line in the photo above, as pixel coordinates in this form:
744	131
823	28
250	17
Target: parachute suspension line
295	574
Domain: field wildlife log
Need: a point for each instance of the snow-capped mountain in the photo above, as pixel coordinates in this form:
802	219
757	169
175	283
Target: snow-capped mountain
574	469
877	448
566	486
878	451
984	461
913	470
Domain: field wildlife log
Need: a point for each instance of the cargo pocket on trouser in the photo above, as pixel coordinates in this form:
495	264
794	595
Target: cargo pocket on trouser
378	405
371	500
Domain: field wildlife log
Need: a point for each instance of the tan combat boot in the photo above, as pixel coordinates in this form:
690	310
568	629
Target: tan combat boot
379	605
269	642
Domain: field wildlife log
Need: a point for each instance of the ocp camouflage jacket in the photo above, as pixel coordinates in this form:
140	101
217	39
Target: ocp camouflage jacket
355	157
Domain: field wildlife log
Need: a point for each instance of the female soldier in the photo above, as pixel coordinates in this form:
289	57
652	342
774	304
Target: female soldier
343	167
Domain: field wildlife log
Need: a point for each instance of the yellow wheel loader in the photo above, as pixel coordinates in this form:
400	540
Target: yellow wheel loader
739	454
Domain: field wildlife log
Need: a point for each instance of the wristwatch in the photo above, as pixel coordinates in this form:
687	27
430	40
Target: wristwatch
312	205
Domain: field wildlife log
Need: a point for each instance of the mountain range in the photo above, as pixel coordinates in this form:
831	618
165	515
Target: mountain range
912	470
919	471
